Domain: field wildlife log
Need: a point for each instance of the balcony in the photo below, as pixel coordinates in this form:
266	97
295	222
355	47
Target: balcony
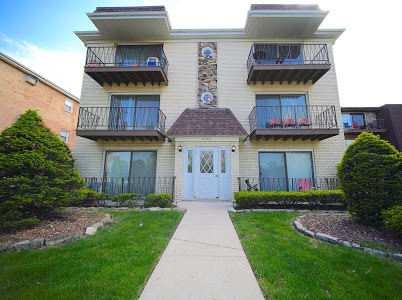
305	122
357	126
121	123
298	63
127	64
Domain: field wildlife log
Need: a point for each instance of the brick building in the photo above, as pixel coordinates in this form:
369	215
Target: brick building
384	121
207	109
22	89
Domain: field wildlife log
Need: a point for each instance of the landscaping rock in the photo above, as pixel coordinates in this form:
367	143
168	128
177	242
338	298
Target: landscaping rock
107	219
299	227
3	248
60	239
356	246
98	225
374	252
154	209
231	209
90	230
25	245
326	238
396	255
345	243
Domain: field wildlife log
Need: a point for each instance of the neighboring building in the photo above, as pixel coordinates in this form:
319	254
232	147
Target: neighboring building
385	121
207	109
22	89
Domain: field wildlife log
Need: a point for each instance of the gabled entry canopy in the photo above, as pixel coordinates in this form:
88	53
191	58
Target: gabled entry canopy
207	122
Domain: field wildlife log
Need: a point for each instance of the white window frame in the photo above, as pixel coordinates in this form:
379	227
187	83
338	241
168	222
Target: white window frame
67	136
69	103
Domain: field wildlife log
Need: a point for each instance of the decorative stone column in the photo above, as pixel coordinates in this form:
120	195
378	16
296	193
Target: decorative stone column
207	75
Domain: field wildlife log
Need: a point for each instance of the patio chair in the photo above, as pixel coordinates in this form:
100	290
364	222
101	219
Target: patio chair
304	184
152	61
289	123
251	187
274	123
304	122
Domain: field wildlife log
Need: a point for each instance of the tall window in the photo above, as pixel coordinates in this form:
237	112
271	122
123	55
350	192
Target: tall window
138	55
285	171
281	111
139	112
277	54
130	172
353	121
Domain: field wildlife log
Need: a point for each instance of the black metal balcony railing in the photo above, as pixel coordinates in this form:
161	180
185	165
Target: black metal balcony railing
289	184
138	185
127	56
377	124
121	118
271	54
293	117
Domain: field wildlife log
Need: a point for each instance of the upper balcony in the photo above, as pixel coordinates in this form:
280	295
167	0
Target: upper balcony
121	123
313	122
356	123
127	64
298	63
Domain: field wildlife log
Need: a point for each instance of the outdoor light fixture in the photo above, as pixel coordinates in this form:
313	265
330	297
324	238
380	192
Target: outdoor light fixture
180	148
233	148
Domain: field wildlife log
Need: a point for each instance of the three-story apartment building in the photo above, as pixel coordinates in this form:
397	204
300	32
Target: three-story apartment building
197	112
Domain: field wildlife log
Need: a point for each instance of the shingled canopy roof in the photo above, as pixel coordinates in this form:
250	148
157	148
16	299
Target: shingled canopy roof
219	121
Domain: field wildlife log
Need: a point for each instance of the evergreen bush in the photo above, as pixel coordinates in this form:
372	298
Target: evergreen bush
393	218
251	199
370	174
158	200
36	172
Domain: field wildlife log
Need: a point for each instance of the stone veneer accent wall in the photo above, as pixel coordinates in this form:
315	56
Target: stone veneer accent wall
207	75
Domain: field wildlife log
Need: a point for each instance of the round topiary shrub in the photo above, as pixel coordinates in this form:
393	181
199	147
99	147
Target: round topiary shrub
36	173
370	174
158	200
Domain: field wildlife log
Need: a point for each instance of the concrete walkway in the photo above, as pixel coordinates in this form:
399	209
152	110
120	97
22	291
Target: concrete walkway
204	259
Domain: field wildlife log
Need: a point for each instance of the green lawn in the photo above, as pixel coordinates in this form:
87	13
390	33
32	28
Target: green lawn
115	263
289	265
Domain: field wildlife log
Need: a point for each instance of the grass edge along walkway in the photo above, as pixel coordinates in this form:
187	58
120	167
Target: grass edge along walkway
114	263
289	265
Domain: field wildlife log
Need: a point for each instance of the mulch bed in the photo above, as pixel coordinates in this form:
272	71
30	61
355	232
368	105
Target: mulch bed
62	223
345	228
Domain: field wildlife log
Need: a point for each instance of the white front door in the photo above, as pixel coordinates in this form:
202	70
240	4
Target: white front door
206	173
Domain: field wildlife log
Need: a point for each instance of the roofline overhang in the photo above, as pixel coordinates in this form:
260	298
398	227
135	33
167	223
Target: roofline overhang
331	34
42	79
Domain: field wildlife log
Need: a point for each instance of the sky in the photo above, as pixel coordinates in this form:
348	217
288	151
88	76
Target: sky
40	35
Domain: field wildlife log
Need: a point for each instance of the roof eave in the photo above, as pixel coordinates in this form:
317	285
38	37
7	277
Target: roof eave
24	69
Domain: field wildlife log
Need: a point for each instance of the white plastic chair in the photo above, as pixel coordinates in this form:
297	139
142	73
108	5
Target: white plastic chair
152	61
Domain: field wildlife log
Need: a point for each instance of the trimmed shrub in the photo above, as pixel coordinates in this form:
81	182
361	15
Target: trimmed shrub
370	174
36	173
123	198
315	198
158	200
393	218
91	197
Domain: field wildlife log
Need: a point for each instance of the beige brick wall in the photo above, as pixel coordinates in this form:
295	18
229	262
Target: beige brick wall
174	98
233	93
17	96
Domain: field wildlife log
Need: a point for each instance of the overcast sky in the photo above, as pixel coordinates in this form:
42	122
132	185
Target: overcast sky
39	34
